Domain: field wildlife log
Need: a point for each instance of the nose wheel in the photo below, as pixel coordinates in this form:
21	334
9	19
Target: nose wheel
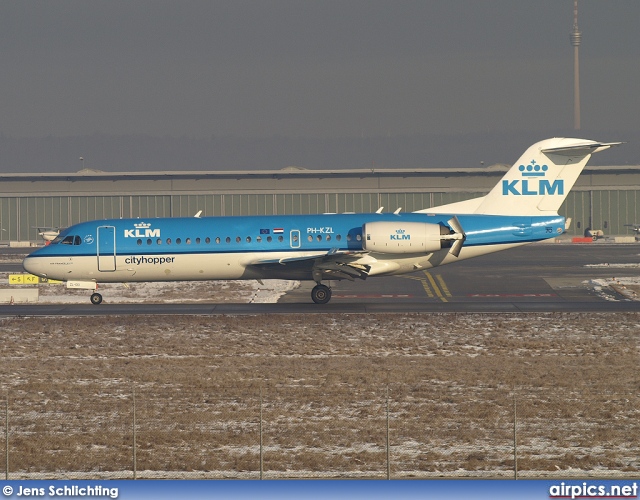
96	298
321	294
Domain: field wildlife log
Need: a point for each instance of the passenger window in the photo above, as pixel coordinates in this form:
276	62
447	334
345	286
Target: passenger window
258	239
178	241
218	240
310	238
197	241
319	238
228	240
207	240
139	242
280	238
338	237
168	241
159	241
238	239
188	241
149	241
269	239
328	237
248	239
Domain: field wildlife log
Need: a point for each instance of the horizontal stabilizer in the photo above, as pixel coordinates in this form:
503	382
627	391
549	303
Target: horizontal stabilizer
581	148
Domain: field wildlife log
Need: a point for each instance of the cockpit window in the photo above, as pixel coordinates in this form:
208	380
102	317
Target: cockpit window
68	240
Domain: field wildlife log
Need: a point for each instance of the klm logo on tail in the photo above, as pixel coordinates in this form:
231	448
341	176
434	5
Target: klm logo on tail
532	183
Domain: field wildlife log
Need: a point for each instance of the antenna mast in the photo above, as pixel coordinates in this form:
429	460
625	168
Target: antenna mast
575	38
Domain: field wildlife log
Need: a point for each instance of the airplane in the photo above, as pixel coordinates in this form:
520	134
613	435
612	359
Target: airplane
634	227
521	208
48	233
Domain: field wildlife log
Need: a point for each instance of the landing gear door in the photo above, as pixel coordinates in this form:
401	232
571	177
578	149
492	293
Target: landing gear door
106	248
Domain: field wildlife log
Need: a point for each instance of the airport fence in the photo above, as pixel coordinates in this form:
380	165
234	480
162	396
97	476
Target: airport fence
396	431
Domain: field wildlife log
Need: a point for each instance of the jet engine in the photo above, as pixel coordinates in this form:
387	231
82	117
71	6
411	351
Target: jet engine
406	237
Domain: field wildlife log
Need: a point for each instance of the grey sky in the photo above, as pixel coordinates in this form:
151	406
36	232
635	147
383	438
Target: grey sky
315	69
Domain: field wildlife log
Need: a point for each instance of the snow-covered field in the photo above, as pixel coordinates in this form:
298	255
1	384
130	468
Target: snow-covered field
616	287
187	292
318	393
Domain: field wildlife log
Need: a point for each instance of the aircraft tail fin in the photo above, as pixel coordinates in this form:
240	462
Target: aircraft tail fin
541	179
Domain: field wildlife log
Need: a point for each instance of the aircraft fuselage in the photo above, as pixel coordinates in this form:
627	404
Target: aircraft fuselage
262	247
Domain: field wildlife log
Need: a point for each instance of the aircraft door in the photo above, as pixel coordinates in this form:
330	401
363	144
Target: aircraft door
295	238
106	248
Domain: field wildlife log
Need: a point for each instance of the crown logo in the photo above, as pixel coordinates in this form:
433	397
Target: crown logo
533	170
142	225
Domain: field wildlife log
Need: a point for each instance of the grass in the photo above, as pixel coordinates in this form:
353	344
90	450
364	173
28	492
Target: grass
321	384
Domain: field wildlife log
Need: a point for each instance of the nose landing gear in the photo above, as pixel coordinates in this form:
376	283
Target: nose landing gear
96	298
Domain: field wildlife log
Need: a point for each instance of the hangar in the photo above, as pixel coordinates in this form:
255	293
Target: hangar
604	198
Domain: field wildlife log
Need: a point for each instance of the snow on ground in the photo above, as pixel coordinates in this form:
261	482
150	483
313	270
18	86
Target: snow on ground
319	395
632	265
628	288
188	292
615	287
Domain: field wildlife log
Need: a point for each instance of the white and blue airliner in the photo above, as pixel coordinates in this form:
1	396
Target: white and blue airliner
522	208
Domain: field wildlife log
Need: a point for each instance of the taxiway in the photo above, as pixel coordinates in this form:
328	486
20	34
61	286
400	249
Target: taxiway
535	278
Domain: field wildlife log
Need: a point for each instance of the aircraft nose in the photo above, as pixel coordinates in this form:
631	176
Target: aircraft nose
32	265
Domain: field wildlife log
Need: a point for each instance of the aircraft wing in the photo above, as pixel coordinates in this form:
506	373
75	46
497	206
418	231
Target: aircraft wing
334	264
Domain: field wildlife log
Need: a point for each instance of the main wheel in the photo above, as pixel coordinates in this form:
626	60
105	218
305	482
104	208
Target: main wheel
96	298
321	294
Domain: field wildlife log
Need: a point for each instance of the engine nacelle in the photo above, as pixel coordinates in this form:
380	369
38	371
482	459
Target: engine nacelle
404	237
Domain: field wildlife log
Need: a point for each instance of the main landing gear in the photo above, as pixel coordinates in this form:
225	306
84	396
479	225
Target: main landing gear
321	294
96	298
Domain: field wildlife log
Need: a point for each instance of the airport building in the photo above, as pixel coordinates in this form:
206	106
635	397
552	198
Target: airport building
604	198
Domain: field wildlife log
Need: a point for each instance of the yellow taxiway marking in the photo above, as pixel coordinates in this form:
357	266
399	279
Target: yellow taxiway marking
424	284
435	287
431	287
443	285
